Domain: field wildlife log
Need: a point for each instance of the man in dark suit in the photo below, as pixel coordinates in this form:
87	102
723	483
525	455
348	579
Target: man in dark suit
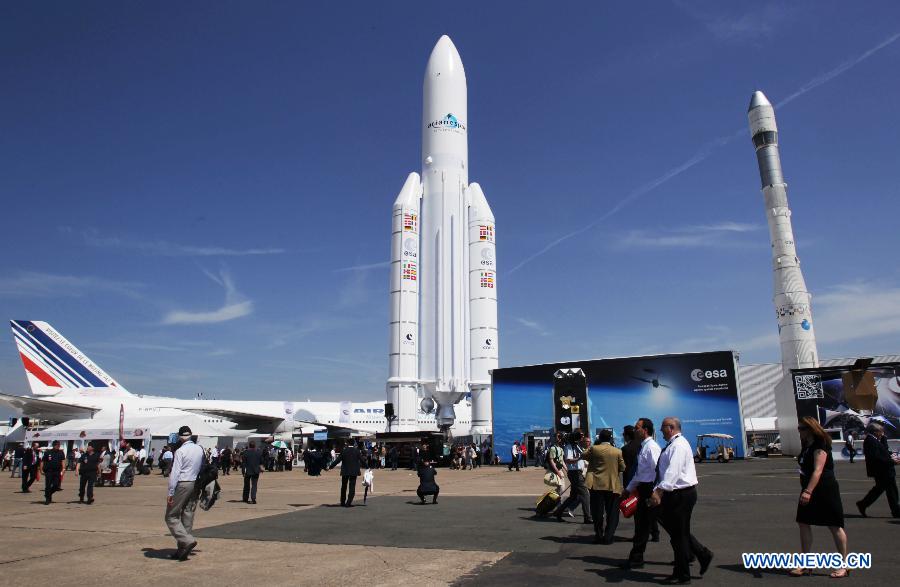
53	461
30	462
630	450
427	486
252	467
879	466
351	461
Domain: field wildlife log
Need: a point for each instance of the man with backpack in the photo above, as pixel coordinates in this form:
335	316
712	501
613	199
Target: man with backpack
579	491
181	502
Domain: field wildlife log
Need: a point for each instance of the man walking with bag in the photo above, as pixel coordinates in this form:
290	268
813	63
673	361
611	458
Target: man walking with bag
641	485
180	503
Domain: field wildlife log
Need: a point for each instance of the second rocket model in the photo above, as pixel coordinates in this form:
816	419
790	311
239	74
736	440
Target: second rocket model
792	302
443	330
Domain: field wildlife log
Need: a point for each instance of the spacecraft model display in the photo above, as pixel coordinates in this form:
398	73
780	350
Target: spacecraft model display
792	301
443	288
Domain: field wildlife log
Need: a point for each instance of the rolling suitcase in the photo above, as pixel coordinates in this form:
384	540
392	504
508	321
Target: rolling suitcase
548	502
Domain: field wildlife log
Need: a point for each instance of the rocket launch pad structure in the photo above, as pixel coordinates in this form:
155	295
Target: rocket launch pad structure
443	317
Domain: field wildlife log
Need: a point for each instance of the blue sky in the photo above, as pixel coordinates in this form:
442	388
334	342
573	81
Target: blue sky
199	195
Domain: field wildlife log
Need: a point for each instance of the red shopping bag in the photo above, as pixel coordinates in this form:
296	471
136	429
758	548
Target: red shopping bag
628	506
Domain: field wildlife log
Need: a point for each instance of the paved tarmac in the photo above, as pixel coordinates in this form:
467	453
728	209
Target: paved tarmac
483	532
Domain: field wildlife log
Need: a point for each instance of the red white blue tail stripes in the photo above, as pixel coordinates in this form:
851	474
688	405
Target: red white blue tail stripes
53	364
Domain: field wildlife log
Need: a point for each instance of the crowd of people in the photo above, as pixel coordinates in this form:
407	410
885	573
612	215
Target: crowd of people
598	475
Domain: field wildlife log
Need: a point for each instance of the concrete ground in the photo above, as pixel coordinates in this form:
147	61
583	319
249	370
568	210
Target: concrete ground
482	532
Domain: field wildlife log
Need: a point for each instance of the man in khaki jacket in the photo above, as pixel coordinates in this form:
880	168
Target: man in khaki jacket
604	480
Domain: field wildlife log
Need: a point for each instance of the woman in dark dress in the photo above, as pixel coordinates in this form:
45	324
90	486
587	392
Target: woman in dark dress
820	499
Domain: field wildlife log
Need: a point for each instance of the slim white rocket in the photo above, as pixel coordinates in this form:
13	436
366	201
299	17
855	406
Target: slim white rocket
792	301
443	272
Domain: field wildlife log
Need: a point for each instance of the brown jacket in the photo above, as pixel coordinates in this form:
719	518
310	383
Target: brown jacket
604	468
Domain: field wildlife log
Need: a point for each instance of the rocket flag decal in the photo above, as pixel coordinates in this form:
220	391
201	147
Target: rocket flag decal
409	270
487	279
410	222
486	233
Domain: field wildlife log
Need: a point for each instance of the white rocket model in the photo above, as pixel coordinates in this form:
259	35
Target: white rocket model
792	301
443	268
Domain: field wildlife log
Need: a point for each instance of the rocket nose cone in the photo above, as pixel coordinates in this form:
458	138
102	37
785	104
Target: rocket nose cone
444	59
758	99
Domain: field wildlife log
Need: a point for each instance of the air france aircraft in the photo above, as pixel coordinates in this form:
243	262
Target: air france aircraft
66	384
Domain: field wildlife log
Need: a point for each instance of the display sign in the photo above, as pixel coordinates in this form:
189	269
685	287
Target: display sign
570	401
320	436
86	434
699	388
844	400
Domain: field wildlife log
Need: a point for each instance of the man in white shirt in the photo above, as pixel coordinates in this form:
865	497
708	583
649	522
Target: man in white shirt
676	494
180	503
641	485
514	456
141	460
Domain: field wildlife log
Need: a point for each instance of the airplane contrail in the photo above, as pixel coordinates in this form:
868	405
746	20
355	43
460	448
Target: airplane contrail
706	151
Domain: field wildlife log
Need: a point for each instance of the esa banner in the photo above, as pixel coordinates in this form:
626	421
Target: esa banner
845	400
699	388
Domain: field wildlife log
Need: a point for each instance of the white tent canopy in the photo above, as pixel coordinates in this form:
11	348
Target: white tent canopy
161	422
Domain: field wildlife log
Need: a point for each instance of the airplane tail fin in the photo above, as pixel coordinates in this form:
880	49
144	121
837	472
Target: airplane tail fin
54	365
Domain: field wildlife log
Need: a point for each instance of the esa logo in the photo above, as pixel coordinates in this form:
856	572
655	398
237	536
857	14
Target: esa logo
488	344
700	374
487	258
409	339
410	248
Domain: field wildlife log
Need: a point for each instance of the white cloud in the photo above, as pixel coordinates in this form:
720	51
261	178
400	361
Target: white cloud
760	20
366	267
235	306
856	311
167	249
710	235
534	326
45	285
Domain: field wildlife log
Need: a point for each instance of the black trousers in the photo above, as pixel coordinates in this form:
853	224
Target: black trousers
250	482
645	523
605	505
52	482
514	462
422	494
28	477
888	486
86	482
675	518
348	489
579	492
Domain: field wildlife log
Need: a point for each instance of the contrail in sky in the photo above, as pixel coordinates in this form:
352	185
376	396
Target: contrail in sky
705	151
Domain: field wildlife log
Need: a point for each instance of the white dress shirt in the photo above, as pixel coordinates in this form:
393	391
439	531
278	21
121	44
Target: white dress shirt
646	464
186	465
573	452
676	465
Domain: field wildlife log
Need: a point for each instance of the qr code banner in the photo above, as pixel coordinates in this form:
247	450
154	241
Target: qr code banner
809	386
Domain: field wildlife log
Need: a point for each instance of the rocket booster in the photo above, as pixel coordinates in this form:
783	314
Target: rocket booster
448	319
792	301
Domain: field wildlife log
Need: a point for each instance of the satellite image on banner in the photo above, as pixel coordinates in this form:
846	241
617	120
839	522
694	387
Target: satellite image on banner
699	388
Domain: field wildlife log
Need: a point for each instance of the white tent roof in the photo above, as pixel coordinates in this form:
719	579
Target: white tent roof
160	422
